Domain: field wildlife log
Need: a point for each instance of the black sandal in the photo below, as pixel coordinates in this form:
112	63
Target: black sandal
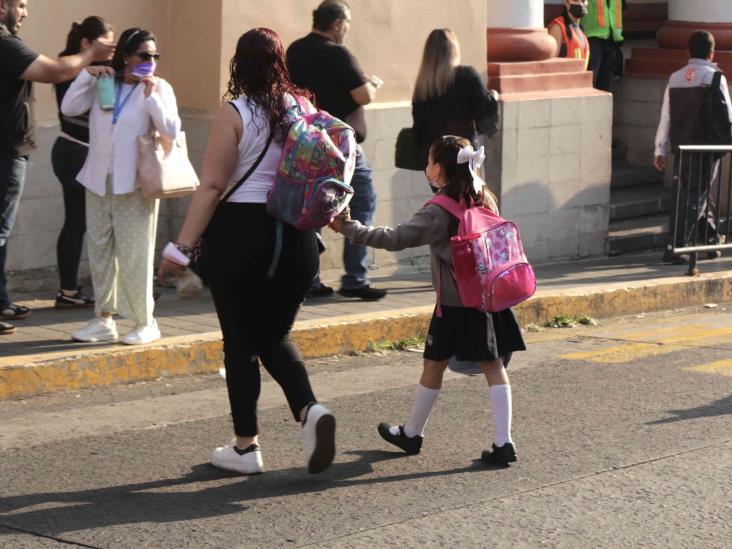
6	328
14	312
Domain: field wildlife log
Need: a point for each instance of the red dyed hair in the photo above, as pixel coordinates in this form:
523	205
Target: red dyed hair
259	71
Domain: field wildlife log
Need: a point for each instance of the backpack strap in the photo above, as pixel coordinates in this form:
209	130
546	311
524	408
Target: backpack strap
253	167
306	107
716	81
455	209
446	203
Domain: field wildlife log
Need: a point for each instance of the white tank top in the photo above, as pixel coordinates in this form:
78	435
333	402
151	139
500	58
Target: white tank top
256	132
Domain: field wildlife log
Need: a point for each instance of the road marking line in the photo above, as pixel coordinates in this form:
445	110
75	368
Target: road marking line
720	367
676	339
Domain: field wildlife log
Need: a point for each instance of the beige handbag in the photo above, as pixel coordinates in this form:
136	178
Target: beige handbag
163	167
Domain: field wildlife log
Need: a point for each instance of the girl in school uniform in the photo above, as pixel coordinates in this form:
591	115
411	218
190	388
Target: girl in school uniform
467	334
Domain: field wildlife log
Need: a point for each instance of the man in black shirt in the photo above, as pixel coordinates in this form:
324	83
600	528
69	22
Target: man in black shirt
321	63
20	66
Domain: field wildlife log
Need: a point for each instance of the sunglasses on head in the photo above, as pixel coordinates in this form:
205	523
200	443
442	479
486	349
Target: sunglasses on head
147	56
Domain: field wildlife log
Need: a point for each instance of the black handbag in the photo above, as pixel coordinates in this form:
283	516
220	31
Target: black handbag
407	155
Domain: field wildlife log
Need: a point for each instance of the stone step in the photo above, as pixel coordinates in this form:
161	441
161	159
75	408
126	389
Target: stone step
629	175
640	233
556	65
640	201
660	62
524	83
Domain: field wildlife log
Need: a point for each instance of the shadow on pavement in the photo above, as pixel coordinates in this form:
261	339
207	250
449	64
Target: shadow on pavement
719	407
155	502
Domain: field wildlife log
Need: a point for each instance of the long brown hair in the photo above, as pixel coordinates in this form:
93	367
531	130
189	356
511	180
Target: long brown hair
460	180
259	71
90	28
437	71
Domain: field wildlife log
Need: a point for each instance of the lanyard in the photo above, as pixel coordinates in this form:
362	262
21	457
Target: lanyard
118	106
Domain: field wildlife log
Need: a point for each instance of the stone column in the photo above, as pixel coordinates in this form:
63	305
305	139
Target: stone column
686	16
549	164
516	31
520	52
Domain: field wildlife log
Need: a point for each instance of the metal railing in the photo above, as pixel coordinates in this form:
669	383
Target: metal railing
701	213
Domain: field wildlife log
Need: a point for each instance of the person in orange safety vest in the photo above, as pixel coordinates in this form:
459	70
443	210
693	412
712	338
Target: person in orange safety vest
565	29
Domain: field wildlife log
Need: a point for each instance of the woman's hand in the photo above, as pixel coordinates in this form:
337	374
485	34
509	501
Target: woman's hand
168	269
99	71
150	83
337	223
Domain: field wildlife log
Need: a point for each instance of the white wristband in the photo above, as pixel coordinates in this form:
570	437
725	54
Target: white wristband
171	253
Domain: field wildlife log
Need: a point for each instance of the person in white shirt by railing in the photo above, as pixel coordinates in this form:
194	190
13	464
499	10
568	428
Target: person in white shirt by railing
682	123
121	222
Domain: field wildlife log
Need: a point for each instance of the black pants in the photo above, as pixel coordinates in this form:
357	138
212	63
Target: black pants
602	63
692	219
67	159
256	312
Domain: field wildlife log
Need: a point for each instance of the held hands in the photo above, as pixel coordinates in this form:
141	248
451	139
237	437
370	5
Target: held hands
99	71
150	83
337	223
103	50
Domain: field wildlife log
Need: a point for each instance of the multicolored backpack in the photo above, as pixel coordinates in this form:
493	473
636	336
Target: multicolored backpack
312	184
488	260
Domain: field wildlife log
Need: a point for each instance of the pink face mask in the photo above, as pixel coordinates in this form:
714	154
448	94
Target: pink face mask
145	69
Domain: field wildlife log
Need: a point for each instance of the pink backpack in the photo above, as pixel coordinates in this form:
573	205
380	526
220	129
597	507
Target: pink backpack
489	263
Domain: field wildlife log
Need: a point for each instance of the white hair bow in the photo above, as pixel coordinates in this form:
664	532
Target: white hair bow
475	160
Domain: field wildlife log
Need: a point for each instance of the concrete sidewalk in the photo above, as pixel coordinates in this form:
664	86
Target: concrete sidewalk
41	358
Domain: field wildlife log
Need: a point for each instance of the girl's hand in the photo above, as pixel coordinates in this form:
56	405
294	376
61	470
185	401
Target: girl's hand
99	71
168	269
337	223
150	83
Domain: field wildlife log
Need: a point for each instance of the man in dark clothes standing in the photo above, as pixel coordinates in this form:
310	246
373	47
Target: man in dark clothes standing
19	67
322	64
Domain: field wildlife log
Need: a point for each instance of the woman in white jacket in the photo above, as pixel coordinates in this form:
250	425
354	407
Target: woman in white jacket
121	223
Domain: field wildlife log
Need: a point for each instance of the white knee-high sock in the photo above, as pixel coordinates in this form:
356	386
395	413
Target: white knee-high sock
424	402
501	404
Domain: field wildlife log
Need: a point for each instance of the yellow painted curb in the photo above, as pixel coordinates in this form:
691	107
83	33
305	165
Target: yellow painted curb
188	355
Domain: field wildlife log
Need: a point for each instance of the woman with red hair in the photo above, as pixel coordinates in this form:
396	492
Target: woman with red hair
256	309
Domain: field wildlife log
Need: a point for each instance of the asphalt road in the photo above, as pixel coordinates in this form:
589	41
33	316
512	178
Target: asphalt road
624	434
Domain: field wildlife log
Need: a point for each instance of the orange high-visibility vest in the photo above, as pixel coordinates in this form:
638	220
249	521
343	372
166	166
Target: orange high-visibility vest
577	47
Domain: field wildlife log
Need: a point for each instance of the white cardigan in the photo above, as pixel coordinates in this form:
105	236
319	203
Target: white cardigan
120	140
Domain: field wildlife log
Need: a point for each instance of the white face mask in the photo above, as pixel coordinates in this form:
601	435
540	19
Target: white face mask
434	184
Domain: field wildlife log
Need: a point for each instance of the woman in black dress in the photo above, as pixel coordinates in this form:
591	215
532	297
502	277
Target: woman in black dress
449	98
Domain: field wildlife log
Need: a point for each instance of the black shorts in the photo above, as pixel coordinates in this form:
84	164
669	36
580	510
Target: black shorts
471	335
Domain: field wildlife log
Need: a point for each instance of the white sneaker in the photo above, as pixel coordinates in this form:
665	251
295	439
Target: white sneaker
247	461
99	329
140	335
318	436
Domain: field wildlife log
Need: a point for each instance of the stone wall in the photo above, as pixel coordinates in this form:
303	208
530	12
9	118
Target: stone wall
637	112
552	172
